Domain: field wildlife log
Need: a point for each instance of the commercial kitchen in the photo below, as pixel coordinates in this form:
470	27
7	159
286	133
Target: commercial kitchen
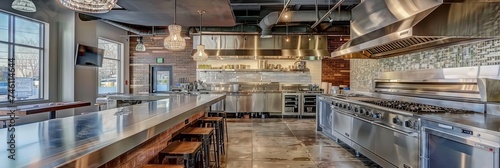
250	83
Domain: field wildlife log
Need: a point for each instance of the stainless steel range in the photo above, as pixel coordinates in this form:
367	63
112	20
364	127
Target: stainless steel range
386	131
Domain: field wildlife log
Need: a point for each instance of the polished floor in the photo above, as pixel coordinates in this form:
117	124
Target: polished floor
293	143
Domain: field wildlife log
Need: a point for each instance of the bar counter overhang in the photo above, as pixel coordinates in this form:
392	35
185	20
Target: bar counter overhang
93	139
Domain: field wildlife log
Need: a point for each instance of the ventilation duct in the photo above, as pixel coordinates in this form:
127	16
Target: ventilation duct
268	22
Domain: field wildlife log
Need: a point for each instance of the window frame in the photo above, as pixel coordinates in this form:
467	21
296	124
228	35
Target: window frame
120	73
43	49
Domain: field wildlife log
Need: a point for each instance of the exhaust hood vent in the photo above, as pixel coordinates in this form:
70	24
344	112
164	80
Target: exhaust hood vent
385	28
303	47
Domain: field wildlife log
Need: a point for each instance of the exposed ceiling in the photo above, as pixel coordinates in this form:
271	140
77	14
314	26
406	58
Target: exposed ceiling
220	13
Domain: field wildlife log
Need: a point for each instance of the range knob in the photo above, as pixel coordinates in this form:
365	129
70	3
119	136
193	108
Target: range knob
349	107
397	121
409	124
377	115
356	109
368	113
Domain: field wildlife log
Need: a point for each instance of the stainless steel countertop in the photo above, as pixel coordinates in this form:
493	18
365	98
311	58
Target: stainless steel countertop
485	122
92	139
143	97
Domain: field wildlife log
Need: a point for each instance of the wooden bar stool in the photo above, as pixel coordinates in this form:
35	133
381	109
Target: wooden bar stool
189	151
223	114
206	136
6	118
217	123
162	166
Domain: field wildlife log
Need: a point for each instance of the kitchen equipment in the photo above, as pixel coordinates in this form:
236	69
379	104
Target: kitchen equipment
447	145
300	65
292	104
308	104
335	90
234	87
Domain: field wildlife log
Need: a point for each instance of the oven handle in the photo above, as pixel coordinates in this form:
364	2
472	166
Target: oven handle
412	134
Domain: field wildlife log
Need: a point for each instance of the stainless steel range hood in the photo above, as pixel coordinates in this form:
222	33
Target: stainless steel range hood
253	47
385	28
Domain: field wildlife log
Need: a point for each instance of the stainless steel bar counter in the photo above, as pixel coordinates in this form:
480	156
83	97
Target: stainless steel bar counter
93	139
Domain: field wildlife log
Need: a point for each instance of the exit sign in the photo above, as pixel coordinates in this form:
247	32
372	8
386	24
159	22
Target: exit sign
159	60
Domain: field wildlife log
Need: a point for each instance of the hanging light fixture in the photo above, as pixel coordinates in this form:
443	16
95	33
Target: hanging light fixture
287	39
140	46
174	41
89	6
24	5
200	54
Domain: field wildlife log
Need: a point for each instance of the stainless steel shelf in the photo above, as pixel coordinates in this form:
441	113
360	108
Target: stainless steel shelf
248	70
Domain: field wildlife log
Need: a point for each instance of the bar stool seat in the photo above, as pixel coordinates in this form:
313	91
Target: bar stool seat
182	148
207	137
216	119
218	123
198	131
189	151
162	166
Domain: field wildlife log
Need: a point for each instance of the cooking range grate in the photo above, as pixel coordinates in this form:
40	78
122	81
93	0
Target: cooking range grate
414	107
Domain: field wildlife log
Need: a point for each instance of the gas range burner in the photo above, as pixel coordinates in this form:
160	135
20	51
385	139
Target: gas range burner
414	107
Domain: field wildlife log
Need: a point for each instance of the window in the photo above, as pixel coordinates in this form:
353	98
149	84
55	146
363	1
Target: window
109	74
23	39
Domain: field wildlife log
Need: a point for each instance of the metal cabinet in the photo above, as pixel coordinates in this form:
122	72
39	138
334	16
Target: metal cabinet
273	103
258	102
244	103
231	103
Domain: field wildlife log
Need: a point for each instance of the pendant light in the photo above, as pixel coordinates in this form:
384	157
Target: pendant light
200	54
287	39
24	5
174	41
89	6
140	46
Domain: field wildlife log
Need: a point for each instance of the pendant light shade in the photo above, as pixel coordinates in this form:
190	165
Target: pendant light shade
200	54
89	6
174	41
24	5
140	46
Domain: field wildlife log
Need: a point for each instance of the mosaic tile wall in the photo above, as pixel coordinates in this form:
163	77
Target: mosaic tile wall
478	54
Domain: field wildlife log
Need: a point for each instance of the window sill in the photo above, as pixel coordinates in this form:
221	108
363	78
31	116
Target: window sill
25	102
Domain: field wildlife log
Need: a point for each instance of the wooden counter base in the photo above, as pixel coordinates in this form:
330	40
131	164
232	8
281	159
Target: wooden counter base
148	151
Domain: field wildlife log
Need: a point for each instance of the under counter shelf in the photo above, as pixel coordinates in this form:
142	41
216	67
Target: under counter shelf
249	70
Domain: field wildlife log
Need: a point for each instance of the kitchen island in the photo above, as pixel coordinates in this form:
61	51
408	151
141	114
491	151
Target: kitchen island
102	138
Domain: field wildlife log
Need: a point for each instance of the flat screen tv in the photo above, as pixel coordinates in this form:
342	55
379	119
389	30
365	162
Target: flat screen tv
89	56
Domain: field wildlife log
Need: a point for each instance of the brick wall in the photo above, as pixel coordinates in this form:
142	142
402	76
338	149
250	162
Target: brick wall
181	61
147	152
335	71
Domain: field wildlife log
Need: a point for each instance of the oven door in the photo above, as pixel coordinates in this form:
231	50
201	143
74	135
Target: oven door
444	149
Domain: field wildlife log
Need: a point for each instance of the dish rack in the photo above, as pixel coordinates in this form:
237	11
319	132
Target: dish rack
291	103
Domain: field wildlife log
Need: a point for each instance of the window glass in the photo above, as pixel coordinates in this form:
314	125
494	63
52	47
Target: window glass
108	76
4	27
28	49
109	73
27	32
27	73
111	49
4	52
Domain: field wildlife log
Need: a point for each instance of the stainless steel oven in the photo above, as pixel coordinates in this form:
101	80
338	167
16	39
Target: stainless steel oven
450	146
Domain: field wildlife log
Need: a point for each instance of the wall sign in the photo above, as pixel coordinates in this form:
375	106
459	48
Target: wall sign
159	60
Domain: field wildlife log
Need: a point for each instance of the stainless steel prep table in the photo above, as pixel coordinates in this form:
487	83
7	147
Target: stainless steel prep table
93	139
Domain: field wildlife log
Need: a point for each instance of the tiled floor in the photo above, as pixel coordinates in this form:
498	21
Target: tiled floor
276	143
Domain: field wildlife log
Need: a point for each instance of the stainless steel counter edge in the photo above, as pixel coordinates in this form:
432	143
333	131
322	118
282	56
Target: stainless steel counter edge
109	144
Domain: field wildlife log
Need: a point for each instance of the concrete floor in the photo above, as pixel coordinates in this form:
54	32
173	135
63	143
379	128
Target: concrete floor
276	143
